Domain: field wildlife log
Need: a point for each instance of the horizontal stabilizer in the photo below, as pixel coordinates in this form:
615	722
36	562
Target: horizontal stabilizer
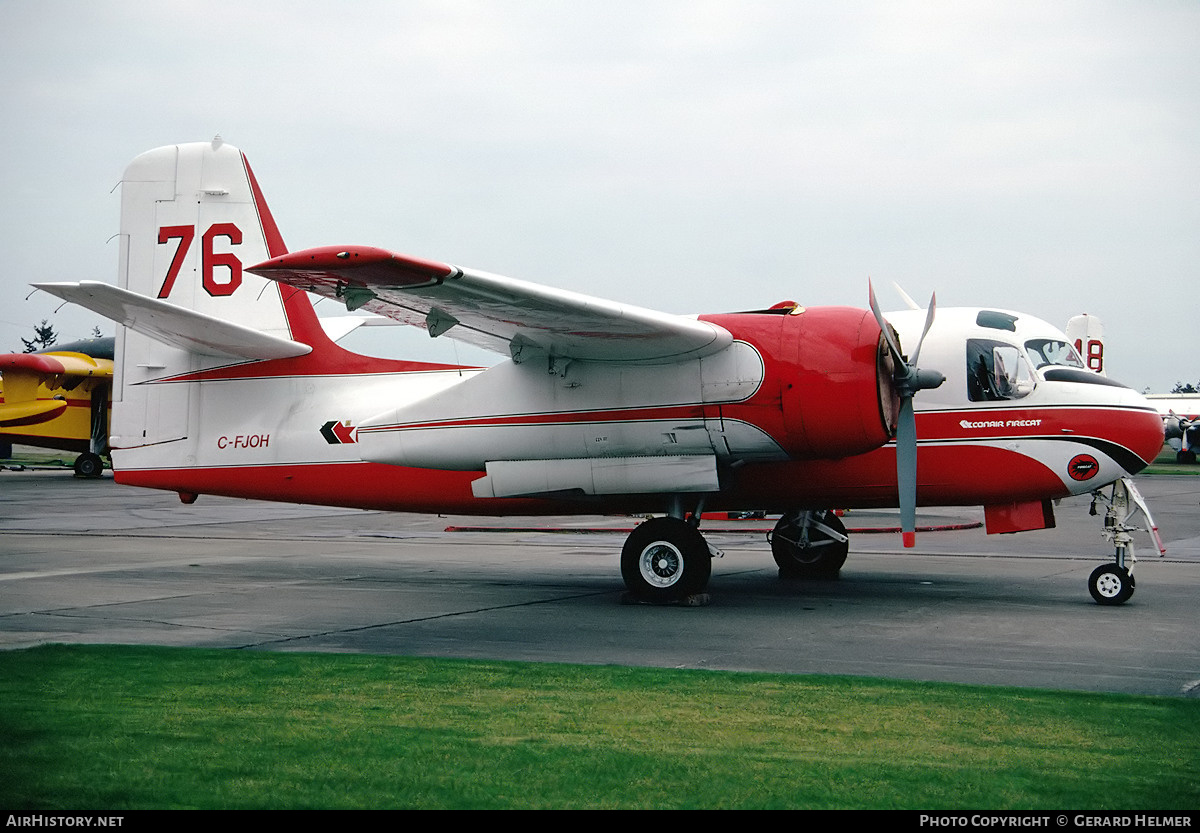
179	327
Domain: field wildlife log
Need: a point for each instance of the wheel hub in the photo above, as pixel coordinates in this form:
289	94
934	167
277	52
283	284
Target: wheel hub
661	564
1108	585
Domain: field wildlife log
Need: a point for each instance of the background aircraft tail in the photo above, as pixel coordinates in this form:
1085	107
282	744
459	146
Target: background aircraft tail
1086	332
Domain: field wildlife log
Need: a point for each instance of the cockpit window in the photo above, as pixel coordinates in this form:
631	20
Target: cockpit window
997	371
1044	351
996	320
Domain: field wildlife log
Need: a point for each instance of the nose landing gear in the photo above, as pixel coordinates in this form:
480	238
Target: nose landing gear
1113	584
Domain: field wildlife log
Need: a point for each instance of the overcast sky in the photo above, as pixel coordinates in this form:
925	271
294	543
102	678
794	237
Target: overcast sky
687	156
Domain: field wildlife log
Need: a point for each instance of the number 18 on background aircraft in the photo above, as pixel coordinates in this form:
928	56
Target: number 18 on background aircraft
227	384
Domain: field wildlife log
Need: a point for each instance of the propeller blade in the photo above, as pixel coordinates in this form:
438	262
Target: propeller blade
928	324
908	301
888	336
906	470
908	379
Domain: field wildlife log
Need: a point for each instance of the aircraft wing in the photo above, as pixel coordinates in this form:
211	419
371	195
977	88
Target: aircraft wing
22	374
184	328
72	363
37	364
501	314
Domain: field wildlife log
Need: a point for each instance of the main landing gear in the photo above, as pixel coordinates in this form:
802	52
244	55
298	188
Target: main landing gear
88	465
809	544
1113	584
666	560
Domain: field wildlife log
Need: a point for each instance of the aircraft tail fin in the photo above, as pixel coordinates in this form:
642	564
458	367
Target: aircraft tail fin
192	218
1086	332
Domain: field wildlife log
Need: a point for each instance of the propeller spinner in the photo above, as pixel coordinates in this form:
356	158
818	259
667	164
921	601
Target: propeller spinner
908	380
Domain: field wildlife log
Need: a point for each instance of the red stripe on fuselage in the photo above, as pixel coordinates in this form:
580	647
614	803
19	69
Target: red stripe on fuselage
1041	420
71	403
668	413
357	485
958	475
287	369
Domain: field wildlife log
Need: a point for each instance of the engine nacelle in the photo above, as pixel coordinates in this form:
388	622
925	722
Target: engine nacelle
801	384
828	388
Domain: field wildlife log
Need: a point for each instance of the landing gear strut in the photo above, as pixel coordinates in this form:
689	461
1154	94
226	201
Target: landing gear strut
809	545
1113	584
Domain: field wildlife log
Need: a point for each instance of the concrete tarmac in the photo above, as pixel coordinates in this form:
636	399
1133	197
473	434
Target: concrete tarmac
94	562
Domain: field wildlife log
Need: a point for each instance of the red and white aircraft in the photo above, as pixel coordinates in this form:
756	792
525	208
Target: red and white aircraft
227	384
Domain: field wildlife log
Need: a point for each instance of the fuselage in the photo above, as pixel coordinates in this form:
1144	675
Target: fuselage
1017	419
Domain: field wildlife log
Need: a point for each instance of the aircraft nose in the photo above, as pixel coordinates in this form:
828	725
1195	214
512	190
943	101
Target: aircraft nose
1142	434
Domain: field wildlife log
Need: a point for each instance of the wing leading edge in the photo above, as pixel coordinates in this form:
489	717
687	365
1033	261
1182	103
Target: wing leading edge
501	314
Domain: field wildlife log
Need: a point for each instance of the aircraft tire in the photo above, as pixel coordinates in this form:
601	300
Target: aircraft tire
88	465
665	560
821	560
1185	456
1110	584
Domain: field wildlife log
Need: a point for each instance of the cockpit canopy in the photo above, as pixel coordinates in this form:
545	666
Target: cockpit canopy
1052	351
1008	356
999	370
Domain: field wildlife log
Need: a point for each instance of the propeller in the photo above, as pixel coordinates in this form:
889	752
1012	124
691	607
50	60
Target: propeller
908	379
1184	424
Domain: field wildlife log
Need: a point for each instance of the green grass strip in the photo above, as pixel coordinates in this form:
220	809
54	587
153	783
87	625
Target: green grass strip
101	728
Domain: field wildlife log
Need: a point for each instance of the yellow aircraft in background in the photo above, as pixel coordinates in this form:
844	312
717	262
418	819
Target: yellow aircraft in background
59	398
